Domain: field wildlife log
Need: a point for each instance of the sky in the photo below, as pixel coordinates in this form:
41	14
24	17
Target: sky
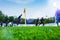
34	8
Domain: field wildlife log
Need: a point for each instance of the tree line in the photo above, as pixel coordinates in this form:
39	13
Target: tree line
6	19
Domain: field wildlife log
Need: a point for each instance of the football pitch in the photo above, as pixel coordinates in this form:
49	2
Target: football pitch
30	33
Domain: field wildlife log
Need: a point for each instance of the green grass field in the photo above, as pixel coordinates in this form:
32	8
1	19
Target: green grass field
29	33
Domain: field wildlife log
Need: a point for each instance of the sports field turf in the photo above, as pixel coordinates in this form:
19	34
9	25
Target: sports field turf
29	33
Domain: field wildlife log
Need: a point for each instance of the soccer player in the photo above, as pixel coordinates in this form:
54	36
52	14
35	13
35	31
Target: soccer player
57	17
42	21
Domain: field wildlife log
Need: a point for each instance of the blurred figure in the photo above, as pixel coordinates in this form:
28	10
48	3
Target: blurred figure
18	19
57	16
37	20
57	20
7	23
1	23
42	21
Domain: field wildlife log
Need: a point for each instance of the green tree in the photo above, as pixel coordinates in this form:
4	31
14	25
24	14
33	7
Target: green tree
11	18
50	20
2	17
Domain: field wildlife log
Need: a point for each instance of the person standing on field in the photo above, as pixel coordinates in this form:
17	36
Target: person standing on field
37	21
42	21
